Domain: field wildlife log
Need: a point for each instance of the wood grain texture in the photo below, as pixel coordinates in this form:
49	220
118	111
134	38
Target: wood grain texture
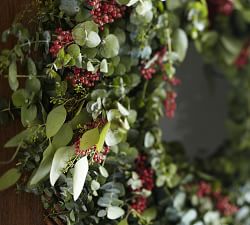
15	208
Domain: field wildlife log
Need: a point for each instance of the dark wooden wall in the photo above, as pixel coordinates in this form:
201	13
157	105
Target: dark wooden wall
15	208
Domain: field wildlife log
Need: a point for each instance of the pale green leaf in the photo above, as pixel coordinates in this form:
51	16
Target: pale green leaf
89	139
110	46
93	39
104	66
113	137
79	176
60	160
102	137
103	171
122	109
115	212
180	44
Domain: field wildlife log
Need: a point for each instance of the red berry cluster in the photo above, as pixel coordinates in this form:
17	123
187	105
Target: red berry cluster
222	203
83	78
224	7
97	157
243	57
170	104
204	189
172	81
146	175
139	204
63	38
147	73
225	207
104	12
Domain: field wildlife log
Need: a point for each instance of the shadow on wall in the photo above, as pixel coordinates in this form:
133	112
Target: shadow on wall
201	108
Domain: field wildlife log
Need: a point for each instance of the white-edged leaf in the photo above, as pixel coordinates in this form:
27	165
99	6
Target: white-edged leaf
180	44
132	2
122	109
79	176
104	66
113	137
115	212
60	160
103	171
93	39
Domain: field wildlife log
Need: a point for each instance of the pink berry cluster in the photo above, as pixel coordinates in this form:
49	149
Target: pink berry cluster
147	73
224	7
106	11
172	81
83	78
63	38
146	175
222	202
224	206
170	104
243	57
97	157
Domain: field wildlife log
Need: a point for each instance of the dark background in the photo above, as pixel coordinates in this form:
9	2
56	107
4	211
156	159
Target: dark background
15	209
199	123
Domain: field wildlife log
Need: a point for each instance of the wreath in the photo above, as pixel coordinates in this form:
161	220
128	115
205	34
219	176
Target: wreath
91	80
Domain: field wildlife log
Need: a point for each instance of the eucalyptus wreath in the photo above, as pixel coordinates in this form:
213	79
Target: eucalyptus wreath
91	80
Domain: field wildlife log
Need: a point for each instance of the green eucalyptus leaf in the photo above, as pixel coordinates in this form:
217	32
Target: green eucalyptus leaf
123	222
89	139
28	114
9	178
33	84
20	97
74	50
95	185
79	175
13	82
55	120
60	161
110	46
44	167
70	7
31	67
63	136
19	138
149	214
